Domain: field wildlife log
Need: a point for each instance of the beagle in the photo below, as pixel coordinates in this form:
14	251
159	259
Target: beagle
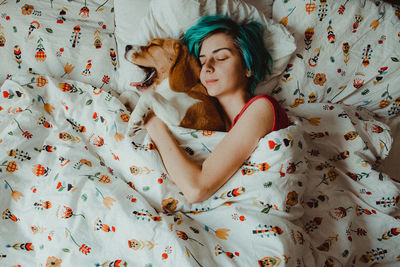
171	87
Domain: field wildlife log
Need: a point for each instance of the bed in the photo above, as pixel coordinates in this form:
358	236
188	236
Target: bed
77	190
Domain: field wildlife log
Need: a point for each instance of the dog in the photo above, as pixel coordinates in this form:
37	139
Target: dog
171	87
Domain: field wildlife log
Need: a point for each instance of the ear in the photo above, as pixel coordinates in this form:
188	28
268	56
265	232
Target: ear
248	73
185	70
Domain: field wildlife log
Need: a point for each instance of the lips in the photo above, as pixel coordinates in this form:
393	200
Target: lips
151	74
211	81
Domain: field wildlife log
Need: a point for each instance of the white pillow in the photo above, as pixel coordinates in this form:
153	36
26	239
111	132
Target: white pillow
367	75
128	16
264	6
40	37
171	19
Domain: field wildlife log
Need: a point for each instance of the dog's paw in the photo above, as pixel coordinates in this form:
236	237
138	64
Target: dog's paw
137	119
132	132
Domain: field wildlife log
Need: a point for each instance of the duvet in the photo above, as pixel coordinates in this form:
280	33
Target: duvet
77	189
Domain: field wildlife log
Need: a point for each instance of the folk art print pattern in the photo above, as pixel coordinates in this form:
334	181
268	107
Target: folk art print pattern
347	52
70	39
308	193
77	166
76	189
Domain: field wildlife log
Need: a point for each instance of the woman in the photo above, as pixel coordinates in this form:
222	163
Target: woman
233	60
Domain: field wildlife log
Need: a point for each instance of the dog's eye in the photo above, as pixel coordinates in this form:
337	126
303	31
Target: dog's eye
152	45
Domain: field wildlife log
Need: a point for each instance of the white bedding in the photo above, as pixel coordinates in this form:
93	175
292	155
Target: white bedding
347	52
84	179
325	72
76	190
65	155
69	39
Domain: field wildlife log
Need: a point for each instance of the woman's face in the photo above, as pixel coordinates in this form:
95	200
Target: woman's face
222	68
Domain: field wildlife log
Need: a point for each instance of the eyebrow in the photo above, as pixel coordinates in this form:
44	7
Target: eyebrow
217	50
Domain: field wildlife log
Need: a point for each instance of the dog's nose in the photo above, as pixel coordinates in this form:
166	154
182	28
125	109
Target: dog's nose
127	48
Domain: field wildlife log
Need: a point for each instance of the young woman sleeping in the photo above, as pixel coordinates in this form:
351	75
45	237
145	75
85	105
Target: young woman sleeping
233	60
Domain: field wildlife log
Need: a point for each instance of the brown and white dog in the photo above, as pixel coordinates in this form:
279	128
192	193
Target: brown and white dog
171	87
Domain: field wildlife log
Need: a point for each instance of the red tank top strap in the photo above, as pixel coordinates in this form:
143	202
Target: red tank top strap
281	120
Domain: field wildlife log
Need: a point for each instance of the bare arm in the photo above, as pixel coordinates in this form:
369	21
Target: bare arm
198	183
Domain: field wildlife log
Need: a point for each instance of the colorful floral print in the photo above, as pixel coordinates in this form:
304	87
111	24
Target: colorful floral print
59	39
309	194
343	45
76	186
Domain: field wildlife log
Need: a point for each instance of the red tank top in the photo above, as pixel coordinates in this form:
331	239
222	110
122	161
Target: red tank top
281	119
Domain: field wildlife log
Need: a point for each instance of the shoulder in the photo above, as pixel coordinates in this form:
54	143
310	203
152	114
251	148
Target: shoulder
257	119
262	101
259	107
262	98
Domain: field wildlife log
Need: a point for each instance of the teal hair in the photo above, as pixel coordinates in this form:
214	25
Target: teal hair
248	38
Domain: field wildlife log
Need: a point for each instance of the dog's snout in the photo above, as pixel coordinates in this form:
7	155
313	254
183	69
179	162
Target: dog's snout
127	48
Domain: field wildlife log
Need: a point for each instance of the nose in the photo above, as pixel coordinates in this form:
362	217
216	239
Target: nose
209	65
127	48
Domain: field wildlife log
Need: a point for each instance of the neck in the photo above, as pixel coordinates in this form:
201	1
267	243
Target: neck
232	104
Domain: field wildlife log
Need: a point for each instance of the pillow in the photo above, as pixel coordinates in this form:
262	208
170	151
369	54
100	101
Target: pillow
128	16
73	40
264	6
171	19
347	51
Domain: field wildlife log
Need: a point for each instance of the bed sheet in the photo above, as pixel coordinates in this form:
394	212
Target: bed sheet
76	189
351	208
347	52
69	39
106	196
390	164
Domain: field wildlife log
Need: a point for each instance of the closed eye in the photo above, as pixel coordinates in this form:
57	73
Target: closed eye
154	43
220	58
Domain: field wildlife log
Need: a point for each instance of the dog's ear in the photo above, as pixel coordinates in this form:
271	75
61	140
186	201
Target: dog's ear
185	70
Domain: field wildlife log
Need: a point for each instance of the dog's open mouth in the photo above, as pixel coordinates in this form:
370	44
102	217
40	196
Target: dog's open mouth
151	74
